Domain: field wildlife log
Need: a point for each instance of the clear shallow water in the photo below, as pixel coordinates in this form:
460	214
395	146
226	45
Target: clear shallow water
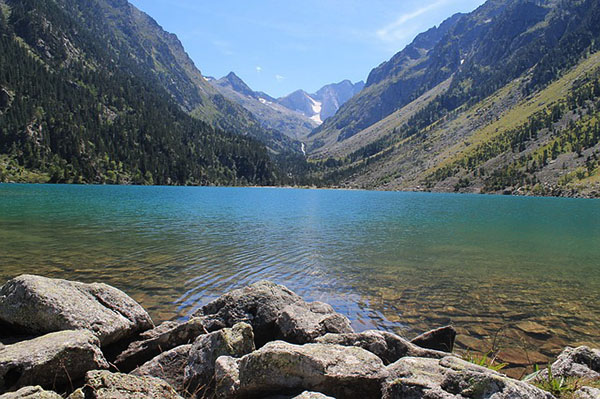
522	274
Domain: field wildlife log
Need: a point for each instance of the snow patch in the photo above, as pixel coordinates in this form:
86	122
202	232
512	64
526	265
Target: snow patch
316	106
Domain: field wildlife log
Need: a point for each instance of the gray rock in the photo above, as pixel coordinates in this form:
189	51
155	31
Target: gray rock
581	362
168	366
312	395
440	339
39	305
106	385
261	305
200	371
153	342
302	323
583	393
279	367
453	378
31	393
389	347
55	359
303	395
258	304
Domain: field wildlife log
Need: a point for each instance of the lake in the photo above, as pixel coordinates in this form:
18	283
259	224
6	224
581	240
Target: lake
517	274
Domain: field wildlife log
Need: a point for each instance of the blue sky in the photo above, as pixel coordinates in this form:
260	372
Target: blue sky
278	46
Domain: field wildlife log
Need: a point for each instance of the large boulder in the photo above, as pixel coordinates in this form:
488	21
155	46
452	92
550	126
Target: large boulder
31	393
453	378
55	359
280	367
258	304
387	346
581	362
302	323
153	342
234	342
168	366
440	339
39	305
261	304
106	385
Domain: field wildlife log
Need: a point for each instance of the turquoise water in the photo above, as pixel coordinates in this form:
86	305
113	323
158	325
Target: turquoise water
406	262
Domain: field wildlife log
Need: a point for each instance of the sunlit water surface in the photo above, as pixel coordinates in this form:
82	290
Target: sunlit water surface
519	274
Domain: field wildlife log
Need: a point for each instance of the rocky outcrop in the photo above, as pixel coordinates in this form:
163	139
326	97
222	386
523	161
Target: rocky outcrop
302	323
280	367
453	378
274	312
39	305
31	393
581	362
440	339
587	393
168	366
153	342
387	346
54	359
258	305
107	385
200	370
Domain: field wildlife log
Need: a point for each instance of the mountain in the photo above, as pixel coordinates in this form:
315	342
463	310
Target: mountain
501	100
324	103
265	108
95	91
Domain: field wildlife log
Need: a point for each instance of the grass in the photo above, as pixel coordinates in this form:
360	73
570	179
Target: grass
560	387
484	360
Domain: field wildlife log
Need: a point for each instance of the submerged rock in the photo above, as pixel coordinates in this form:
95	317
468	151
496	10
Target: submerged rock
55	359
31	393
302	323
107	385
581	362
387	346
153	342
279	367
200	370
39	305
453	378
168	366
440	339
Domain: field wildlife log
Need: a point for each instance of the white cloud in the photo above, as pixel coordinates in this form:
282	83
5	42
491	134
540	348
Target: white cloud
279	78
395	31
258	69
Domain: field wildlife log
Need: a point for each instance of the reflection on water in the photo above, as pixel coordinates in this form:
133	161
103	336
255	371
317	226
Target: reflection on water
518	273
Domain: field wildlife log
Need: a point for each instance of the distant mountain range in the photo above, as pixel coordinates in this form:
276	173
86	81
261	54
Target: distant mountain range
295	115
505	99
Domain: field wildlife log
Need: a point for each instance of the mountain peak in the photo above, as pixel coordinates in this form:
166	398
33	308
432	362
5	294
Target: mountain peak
236	84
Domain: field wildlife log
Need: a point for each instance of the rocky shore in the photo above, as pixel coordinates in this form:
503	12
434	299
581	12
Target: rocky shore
81	341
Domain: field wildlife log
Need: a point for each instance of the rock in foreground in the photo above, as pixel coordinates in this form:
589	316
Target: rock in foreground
166	336
581	362
54	359
31	393
39	305
274	312
200	370
440	339
387	346
281	367
168	366
453	378
106	385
